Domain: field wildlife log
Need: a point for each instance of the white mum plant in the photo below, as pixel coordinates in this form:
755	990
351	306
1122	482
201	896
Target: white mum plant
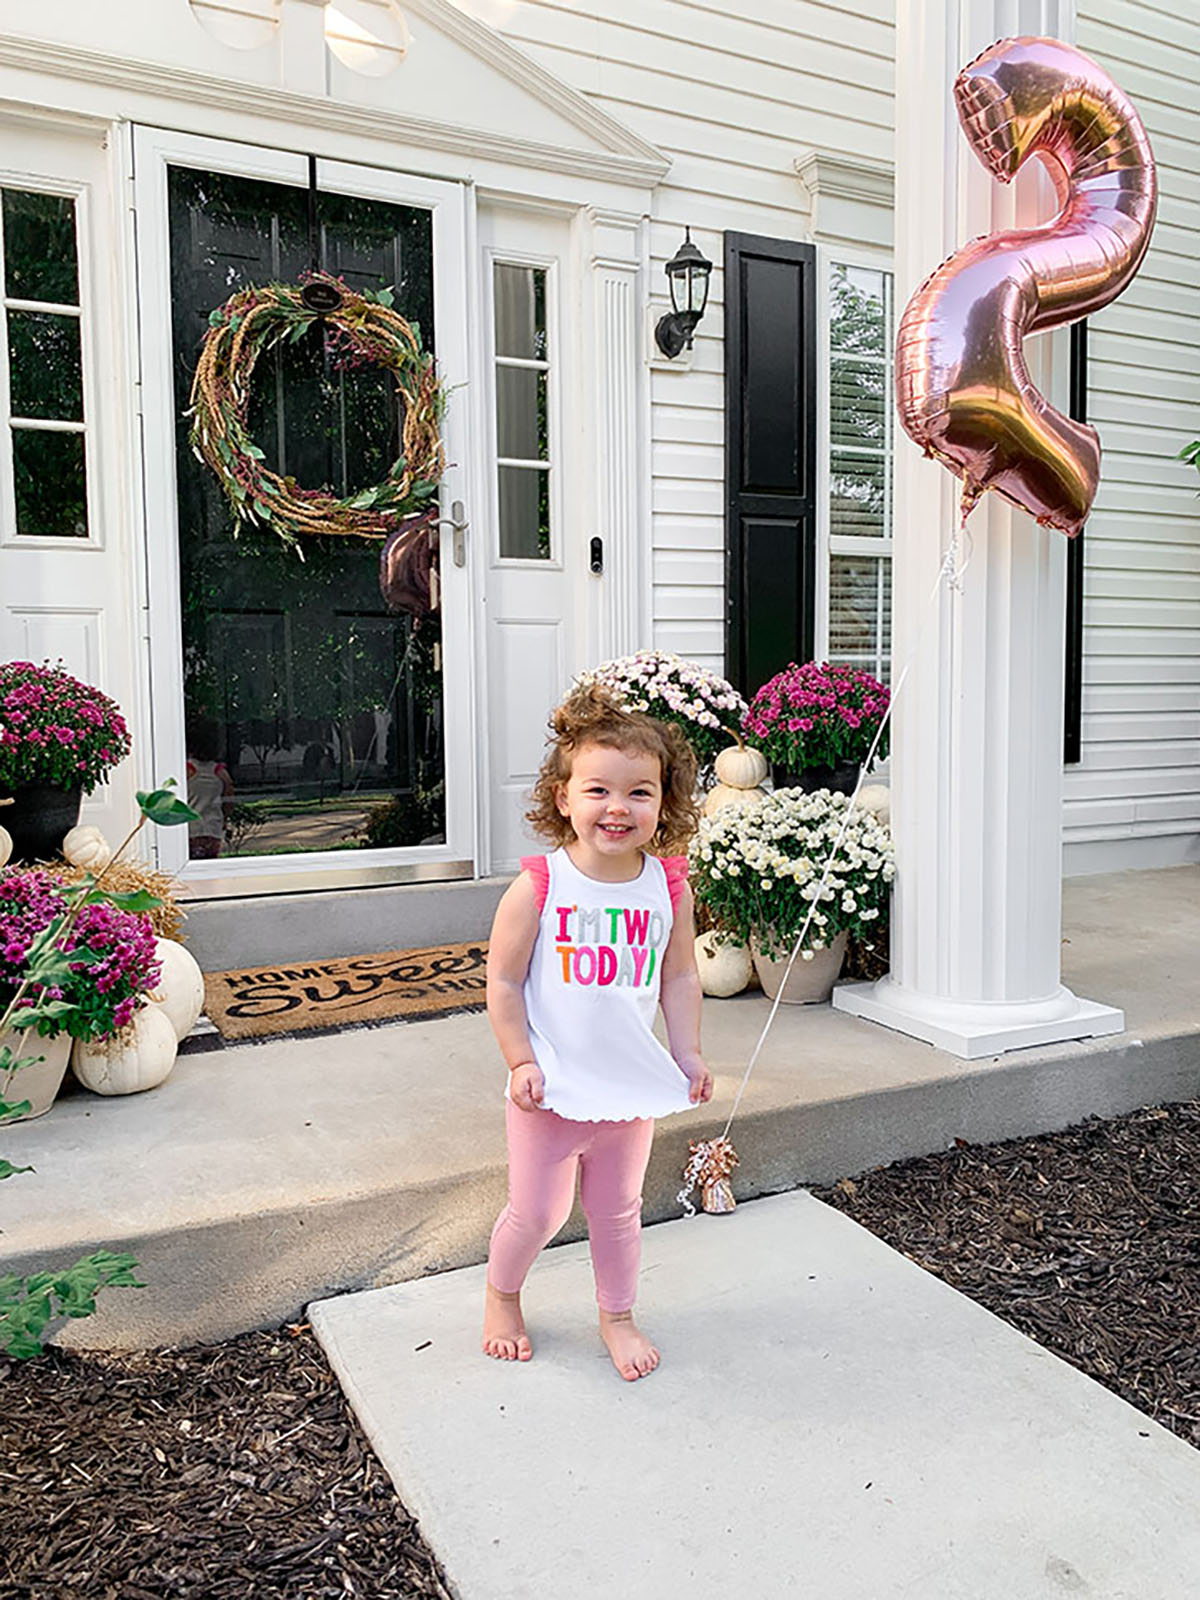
760	870
666	686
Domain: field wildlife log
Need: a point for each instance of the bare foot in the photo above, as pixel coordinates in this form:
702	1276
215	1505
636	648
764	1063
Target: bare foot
632	1353
504	1333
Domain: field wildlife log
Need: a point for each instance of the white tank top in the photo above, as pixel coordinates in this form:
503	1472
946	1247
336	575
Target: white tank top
591	994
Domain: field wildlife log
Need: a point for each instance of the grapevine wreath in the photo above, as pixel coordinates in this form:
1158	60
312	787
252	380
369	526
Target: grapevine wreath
361	327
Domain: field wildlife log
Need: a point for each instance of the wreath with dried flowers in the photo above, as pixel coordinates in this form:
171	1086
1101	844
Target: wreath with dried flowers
361	327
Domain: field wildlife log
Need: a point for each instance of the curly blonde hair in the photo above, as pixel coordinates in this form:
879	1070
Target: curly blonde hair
591	715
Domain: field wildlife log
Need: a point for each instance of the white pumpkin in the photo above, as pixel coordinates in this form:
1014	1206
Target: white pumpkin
86	847
180	992
876	797
722	794
741	767
725	967
139	1057
6	846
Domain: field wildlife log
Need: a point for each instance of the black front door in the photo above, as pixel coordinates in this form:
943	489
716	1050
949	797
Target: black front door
319	712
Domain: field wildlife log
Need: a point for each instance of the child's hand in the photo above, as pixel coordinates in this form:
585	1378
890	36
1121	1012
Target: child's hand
527	1086
700	1078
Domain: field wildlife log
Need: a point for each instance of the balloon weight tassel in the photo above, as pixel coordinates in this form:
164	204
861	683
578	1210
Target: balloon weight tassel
709	1169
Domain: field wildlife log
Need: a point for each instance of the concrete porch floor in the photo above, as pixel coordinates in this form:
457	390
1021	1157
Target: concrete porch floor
264	1176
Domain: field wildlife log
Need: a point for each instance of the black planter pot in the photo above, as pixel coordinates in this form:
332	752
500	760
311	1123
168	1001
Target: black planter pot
40	819
840	779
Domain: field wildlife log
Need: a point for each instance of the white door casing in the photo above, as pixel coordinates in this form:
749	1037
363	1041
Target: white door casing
71	598
536	633
450	204
547	620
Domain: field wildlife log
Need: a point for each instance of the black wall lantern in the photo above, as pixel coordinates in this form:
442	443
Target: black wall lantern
687	273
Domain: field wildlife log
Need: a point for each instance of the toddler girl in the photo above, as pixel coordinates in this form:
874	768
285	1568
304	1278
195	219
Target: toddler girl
587	943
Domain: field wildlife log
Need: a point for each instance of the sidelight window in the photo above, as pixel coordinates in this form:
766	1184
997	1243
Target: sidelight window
861	424
43	364
523	380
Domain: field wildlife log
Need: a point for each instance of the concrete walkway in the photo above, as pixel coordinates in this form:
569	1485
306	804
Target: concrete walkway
828	1421
267	1175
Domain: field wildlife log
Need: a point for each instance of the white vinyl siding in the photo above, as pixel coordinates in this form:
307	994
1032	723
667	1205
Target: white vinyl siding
1134	798
732	96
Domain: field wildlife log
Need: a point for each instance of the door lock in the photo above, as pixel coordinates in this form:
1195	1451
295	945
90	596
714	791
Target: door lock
596	561
458	525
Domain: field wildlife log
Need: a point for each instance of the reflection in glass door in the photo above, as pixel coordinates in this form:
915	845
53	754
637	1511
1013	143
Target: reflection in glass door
314	718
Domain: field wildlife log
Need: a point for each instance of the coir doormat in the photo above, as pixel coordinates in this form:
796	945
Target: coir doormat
251	1001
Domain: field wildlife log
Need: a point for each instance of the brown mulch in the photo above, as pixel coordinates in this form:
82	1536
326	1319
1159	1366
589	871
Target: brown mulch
228	1472
1087	1240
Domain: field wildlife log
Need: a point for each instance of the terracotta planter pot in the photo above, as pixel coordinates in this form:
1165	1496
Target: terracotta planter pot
840	779
810	983
39	819
38	1084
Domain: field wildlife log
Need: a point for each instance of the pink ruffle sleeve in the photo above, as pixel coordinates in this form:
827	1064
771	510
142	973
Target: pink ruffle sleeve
538	869
676	869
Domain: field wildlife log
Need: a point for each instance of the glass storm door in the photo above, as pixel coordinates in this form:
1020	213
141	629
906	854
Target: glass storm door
312	724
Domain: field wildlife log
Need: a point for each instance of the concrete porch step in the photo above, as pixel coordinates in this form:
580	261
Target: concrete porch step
266	1175
266	930
828	1419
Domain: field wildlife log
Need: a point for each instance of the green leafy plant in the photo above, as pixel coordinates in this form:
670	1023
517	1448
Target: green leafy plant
29	1303
405	819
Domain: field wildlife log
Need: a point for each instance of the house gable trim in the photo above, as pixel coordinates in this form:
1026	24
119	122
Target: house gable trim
627	160
520	69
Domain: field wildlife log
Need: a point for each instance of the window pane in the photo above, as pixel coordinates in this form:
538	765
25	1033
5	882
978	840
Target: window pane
39	248
857	404
860	612
857	500
520	302
45	369
858	311
50	482
524	513
521	431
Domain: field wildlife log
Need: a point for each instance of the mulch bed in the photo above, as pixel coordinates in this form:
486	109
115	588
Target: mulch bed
238	1472
1086	1240
231	1472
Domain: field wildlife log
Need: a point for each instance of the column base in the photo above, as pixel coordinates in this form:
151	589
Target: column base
974	1031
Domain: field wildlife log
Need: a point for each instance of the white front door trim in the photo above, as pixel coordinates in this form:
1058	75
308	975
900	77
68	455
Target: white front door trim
451	204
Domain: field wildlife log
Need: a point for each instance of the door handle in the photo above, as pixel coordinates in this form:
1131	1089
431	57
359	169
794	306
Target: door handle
458	525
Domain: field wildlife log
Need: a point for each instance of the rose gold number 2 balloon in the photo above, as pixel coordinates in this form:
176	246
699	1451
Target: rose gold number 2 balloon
963	390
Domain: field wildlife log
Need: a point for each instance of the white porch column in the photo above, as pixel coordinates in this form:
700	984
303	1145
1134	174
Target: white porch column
978	730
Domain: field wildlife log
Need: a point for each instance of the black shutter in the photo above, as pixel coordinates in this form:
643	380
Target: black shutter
1073	677
770	455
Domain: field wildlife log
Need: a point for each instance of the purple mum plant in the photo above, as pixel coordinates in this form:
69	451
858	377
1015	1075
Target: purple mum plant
56	730
102	989
817	715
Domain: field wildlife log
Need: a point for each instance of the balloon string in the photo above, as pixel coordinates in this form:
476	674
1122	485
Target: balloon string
951	573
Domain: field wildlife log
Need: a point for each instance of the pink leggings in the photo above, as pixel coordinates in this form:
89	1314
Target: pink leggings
545	1151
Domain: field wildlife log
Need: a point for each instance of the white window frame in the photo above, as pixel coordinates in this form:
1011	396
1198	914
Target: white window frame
32	183
828	545
552	367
